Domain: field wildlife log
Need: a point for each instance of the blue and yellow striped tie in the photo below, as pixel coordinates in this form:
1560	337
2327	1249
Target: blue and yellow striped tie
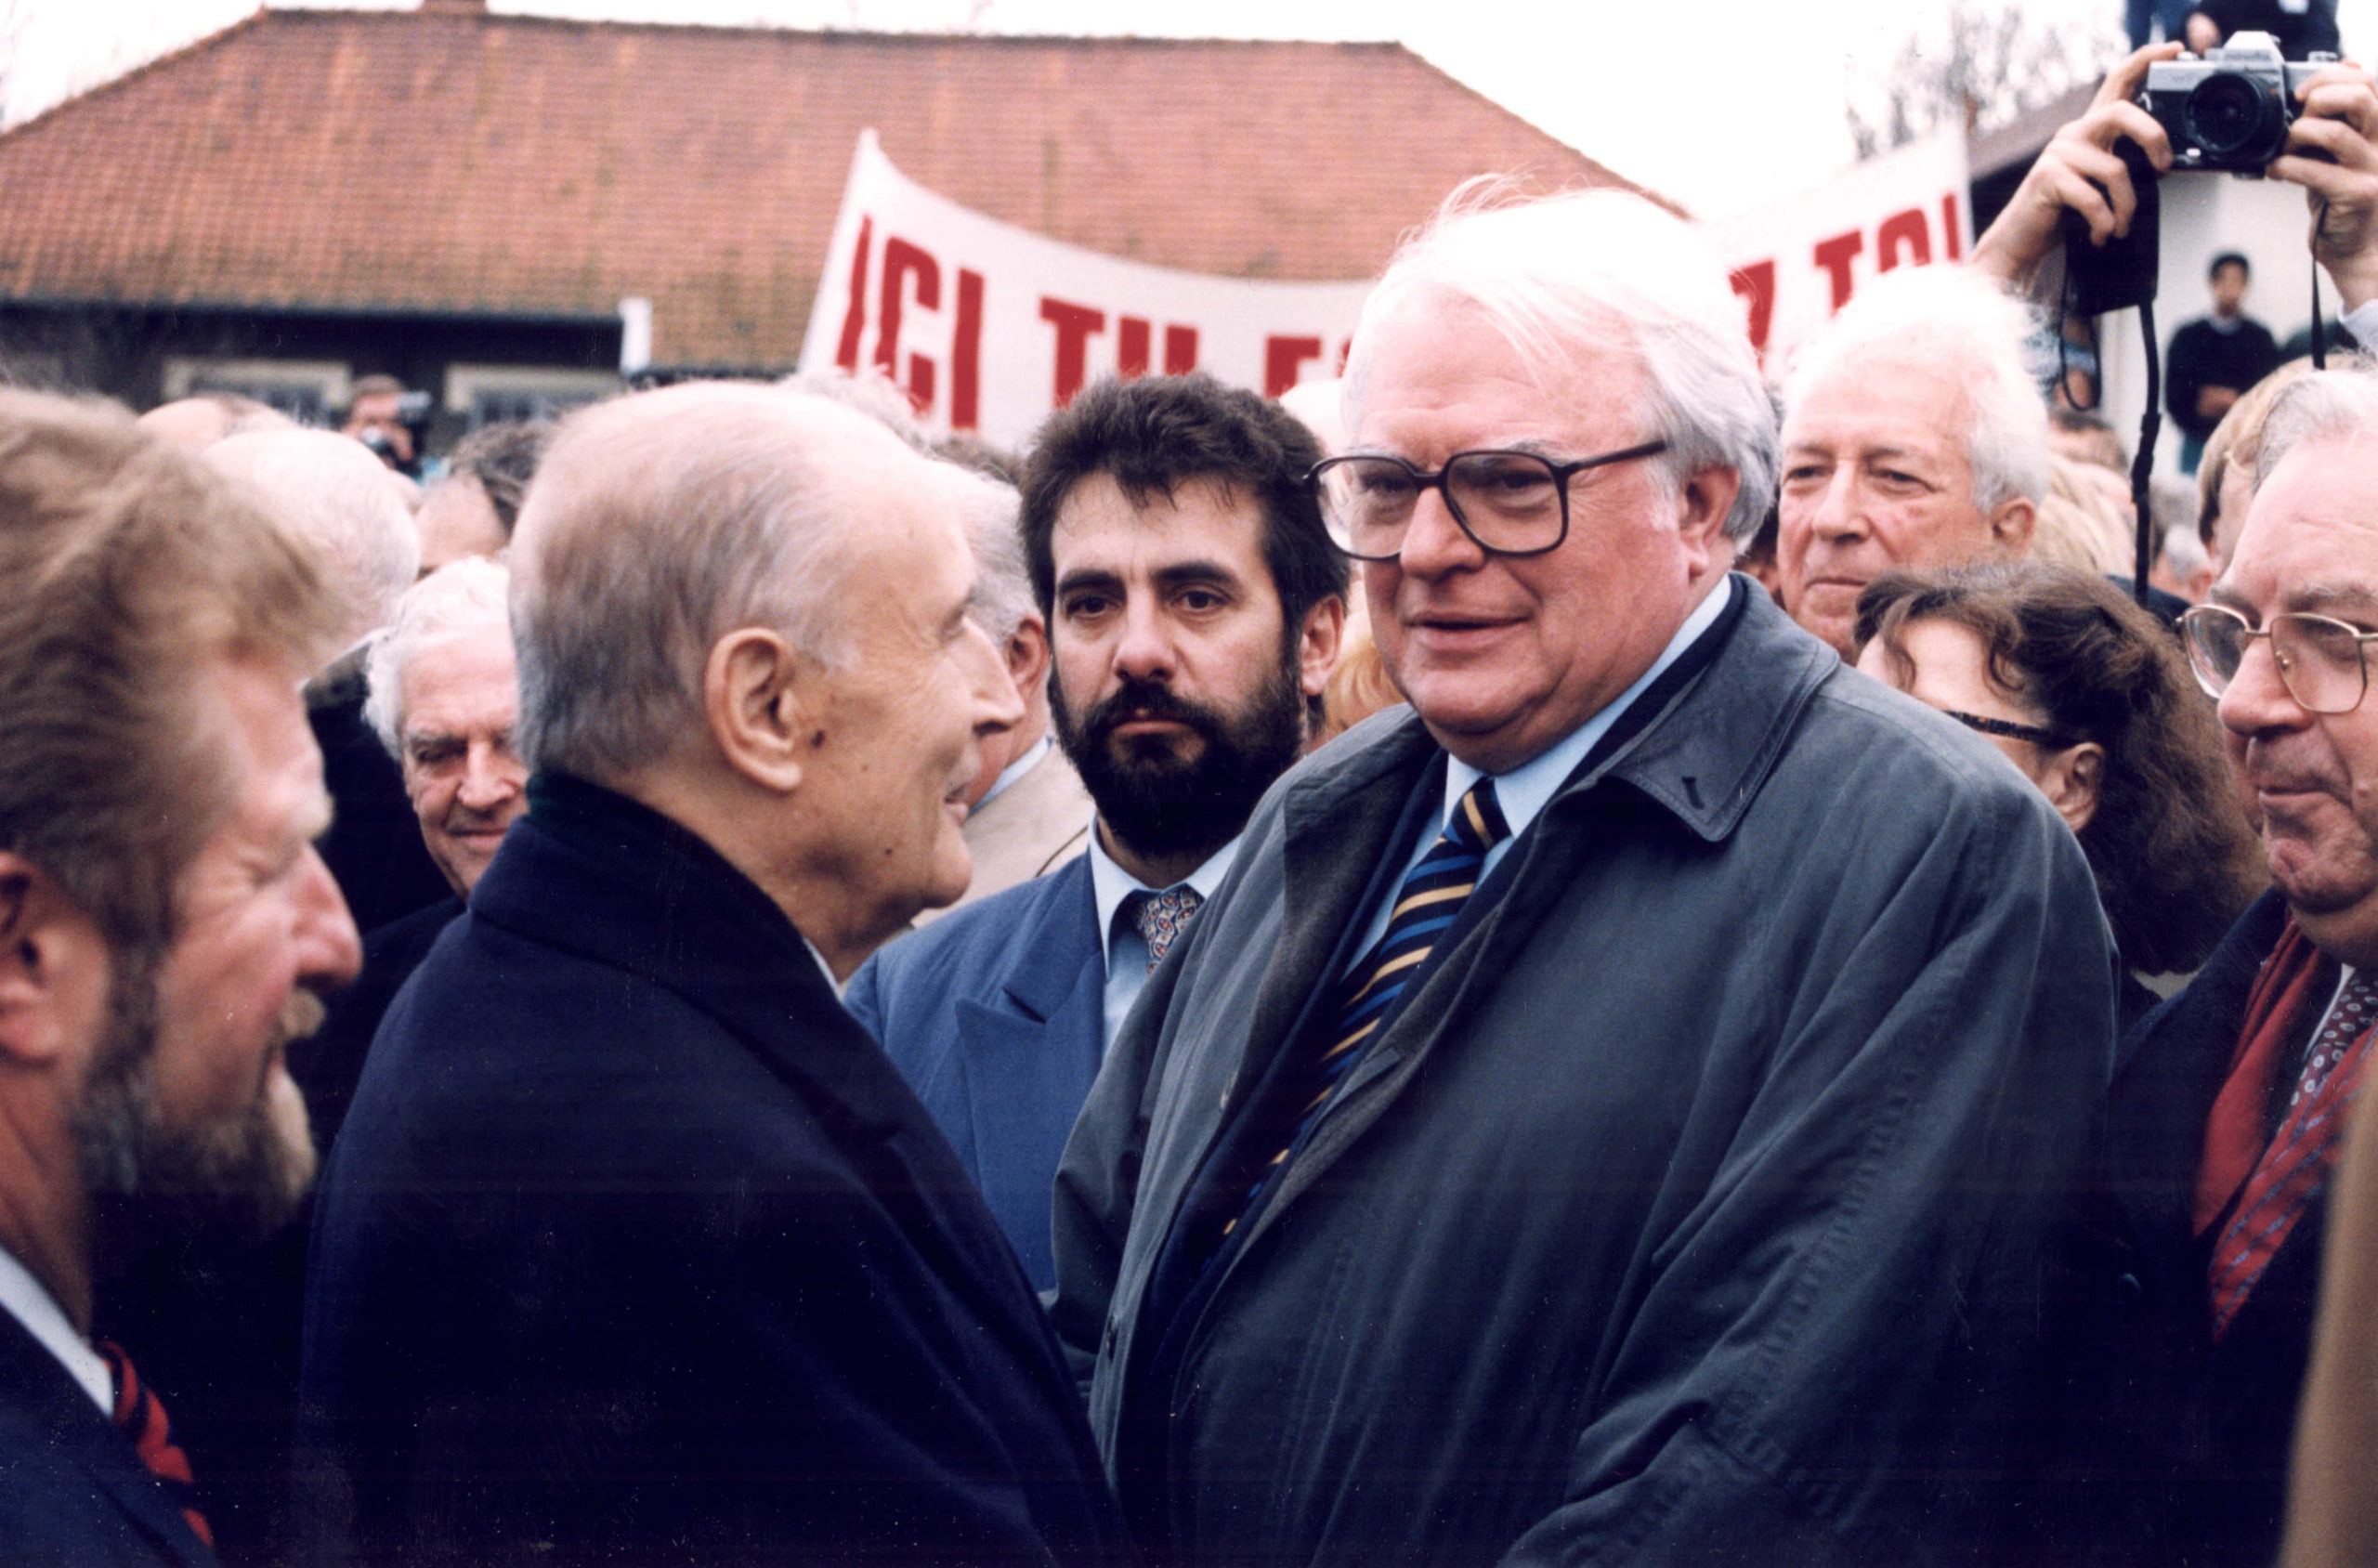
1428	903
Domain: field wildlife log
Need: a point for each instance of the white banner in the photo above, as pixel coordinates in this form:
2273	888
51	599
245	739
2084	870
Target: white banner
1798	262
988	327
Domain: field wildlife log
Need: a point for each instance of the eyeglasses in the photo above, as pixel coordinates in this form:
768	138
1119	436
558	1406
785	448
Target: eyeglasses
2054	740
1508	502
2323	663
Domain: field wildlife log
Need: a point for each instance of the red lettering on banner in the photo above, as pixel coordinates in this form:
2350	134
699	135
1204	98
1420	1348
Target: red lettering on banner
854	314
1283	357
966	354
1179	350
1757	284
1130	346
1903	233
1074	324
1950	242
902	261
1835	255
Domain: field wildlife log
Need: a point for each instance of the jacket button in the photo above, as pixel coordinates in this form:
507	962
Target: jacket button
1108	1347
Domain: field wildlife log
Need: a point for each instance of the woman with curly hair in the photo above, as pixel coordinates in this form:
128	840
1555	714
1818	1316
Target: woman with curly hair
2090	696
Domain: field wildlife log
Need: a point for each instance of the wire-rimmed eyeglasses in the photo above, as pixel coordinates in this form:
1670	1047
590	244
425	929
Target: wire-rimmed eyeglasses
2323	663
1508	502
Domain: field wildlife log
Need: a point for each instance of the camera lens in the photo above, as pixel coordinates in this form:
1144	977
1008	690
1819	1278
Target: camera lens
2229	114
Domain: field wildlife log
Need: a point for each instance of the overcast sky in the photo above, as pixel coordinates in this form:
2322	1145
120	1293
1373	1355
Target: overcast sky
1724	105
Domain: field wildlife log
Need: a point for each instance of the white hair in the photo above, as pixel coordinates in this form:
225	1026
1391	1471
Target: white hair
659	522
1591	271
465	596
355	510
1002	583
2330	405
1964	328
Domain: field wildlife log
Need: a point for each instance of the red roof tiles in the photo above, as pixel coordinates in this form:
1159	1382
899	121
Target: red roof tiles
443	161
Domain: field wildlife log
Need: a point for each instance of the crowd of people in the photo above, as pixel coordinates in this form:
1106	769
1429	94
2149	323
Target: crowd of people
1602	962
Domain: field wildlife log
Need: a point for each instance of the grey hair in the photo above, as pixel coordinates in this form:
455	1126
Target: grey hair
659	522
465	596
357	514
2323	406
1598	269
1965	329
872	393
1002	582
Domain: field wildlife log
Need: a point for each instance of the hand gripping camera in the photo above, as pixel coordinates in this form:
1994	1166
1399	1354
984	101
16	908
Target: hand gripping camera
2231	107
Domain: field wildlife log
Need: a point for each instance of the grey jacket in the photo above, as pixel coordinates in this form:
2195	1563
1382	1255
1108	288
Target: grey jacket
1698	1206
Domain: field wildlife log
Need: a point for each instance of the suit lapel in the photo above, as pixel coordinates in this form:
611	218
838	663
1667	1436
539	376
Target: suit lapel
1028	1058
81	1436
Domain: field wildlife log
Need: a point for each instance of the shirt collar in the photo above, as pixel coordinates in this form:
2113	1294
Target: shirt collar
1013	771
1527	788
30	1302
1110	884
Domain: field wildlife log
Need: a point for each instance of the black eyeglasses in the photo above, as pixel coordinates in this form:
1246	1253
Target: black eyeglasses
2323	663
2054	740
1508	502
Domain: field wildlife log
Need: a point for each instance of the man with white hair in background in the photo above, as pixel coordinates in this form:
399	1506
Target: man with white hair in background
1914	435
358	515
1027	813
1615	1110
634	1248
444	696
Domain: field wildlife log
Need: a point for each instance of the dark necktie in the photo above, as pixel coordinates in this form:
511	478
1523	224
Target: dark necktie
2293	1168
1426	906
142	1418
1162	917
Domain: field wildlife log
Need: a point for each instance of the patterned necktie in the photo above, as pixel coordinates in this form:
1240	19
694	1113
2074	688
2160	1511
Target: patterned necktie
142	1418
1428	903
1162	917
2296	1165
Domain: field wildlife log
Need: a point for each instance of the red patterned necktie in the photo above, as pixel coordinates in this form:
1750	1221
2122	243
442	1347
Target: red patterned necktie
141	1417
1162	917
2293	1168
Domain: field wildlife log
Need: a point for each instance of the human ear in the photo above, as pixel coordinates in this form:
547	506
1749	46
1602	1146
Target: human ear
53	968
2011	525
758	696
2070	780
1027	655
1319	643
1703	501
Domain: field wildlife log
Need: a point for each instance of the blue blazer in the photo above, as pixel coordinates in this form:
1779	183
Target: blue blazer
996	1015
635	1249
72	1489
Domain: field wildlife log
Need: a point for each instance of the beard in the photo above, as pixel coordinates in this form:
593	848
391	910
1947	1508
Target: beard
1161	803
216	1187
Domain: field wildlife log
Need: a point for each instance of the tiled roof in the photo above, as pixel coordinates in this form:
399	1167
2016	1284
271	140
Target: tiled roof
452	160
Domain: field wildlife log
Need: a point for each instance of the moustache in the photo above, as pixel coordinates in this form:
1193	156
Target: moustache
301	1015
1140	699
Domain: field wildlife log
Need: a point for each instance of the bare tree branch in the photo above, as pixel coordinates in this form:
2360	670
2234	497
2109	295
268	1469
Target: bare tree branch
1996	61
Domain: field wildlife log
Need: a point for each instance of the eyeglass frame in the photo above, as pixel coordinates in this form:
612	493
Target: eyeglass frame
2199	614
2038	735
1562	474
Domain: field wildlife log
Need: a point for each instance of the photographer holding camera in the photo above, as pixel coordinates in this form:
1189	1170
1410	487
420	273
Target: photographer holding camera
2328	149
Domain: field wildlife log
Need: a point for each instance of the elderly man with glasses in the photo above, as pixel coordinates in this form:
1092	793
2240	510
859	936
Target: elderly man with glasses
1614	1109
2230	1101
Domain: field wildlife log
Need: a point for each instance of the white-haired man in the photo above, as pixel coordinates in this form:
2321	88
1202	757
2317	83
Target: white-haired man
1914	435
1027	811
1613	1110
166	928
444	696
358	515
633	1247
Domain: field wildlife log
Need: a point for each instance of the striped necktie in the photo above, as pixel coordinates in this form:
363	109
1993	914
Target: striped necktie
141	1417
1430	899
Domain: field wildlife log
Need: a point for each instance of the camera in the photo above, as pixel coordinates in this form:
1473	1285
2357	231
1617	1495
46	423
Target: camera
2228	108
